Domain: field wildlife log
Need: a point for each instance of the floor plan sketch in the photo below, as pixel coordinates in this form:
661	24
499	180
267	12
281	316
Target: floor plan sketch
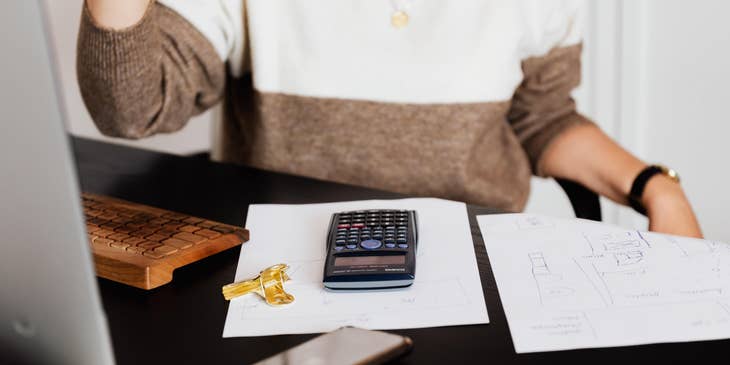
568	284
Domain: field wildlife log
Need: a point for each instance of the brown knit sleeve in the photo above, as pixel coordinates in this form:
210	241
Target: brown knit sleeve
149	78
542	107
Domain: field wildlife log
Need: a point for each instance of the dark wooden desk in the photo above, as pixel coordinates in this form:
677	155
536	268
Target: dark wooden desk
182	322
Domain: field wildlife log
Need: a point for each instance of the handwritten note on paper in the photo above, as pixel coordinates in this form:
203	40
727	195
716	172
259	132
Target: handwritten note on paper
568	284
447	290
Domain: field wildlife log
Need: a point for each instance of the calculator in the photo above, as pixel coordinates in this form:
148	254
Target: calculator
371	249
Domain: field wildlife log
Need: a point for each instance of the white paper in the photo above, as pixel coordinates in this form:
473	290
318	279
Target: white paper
446	291
568	284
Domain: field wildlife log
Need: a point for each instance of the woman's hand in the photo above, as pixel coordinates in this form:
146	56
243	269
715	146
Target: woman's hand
668	209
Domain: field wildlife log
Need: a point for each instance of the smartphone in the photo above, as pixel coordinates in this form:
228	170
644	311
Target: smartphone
347	345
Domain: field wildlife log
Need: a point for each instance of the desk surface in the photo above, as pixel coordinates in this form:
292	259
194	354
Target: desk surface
182	322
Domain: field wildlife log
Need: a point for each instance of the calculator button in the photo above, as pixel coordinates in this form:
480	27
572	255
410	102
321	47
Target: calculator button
339	248
401	240
352	241
351	247
370	244
390	245
340	242
402	245
343	226
358	225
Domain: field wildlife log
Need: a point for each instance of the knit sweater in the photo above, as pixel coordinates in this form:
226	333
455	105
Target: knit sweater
459	103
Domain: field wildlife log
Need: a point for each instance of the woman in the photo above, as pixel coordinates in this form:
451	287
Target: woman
463	100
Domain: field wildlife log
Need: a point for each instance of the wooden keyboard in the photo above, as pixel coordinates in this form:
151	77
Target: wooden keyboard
139	245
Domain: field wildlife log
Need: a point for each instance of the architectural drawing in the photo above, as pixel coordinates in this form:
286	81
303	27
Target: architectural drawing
598	285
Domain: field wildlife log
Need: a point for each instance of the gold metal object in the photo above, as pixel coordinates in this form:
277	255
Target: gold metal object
669	172
399	19
269	284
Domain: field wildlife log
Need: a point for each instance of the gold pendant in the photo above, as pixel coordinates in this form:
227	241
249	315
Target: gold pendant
399	19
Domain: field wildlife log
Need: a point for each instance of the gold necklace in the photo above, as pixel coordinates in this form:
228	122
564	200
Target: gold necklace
399	18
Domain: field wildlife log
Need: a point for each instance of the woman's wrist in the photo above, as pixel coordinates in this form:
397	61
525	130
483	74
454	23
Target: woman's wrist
668	208
662	192
117	14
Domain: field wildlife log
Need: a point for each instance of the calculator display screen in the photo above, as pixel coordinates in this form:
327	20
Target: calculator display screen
370	260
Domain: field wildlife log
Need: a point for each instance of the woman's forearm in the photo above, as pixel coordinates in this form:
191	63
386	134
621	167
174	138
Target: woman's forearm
587	155
148	77
117	14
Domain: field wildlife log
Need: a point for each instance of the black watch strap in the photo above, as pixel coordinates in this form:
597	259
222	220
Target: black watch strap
637	188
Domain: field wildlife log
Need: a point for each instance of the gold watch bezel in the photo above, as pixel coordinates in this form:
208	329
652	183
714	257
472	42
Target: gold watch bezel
669	172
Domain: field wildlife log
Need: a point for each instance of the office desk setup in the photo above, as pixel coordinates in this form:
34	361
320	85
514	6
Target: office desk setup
182	322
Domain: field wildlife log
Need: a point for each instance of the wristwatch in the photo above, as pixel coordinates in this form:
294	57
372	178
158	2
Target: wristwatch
637	188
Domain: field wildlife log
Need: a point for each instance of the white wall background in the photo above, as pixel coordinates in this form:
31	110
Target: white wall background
655	77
